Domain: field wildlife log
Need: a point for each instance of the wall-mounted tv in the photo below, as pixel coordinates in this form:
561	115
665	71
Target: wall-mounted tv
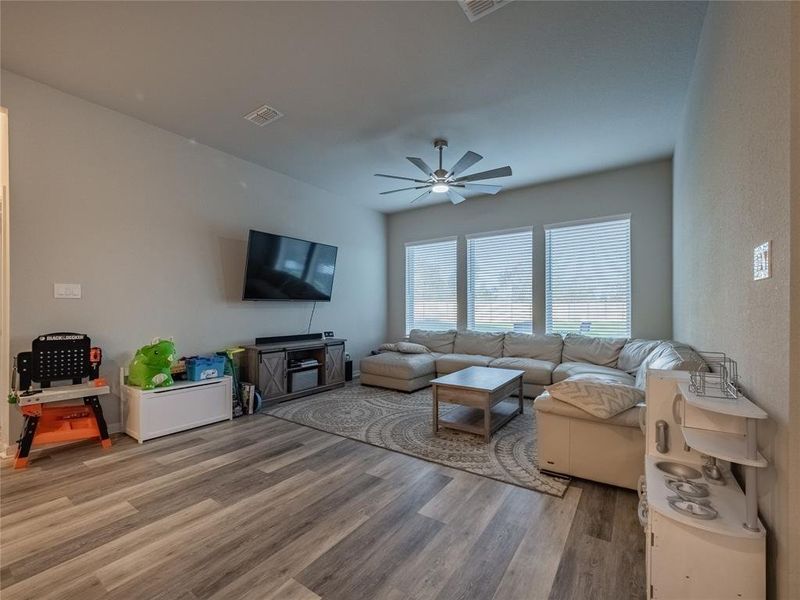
286	268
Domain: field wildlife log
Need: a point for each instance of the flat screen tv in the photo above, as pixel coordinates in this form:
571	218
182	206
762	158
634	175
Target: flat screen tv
286	268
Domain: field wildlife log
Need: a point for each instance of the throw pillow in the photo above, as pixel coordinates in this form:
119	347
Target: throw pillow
409	348
387	348
596	396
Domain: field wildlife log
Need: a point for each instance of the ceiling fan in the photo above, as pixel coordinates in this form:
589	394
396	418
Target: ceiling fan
448	182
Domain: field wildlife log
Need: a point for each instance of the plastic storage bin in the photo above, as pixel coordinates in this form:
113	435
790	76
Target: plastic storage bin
205	367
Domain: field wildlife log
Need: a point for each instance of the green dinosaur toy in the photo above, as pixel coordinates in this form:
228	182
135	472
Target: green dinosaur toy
150	367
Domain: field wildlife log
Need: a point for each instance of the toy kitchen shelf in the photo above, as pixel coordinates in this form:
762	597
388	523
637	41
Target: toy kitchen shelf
719	444
735	407
729	440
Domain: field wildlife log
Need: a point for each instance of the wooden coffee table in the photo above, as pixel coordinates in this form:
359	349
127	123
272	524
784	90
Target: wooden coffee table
481	392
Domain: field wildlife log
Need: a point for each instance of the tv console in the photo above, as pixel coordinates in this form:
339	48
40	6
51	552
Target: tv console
267	364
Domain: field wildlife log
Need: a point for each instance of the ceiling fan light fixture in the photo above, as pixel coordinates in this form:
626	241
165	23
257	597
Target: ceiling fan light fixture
442	181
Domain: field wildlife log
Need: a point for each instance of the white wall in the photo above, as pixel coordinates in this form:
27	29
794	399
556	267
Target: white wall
5	278
732	182
793	584
154	228
644	191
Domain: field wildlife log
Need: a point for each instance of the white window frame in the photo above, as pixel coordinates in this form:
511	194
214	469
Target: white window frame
469	295
548	275
409	307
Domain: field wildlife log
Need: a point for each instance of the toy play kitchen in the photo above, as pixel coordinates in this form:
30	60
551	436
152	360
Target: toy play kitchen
704	538
58	358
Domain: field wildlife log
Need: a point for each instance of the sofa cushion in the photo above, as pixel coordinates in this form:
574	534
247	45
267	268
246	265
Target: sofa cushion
400	366
596	395
450	363
568	369
633	354
437	341
540	346
670	356
595	350
546	403
479	342
536	371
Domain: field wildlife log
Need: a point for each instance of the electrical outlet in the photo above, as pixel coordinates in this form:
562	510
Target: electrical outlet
67	290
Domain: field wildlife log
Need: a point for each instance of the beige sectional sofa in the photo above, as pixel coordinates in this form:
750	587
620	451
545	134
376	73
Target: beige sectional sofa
569	440
450	351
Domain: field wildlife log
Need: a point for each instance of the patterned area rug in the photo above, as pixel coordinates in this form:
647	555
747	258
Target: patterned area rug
402	422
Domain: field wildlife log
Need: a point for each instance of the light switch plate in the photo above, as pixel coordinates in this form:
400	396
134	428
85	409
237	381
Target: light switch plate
67	290
762	259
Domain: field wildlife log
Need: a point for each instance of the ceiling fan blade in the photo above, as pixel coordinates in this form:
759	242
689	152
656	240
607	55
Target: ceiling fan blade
398	177
501	172
464	163
421	165
421	196
483	188
455	197
419	187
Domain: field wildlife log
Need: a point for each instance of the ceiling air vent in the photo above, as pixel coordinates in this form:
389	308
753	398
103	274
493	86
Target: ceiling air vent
476	9
263	115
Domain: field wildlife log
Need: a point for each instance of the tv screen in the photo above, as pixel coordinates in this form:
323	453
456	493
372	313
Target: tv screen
285	268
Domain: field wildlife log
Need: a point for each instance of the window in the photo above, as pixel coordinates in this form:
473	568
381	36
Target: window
588	273
500	281
431	285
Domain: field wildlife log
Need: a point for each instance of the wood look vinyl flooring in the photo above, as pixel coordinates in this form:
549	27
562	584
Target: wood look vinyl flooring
260	508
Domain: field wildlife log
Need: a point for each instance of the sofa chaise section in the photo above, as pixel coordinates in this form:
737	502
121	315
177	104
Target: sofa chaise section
397	371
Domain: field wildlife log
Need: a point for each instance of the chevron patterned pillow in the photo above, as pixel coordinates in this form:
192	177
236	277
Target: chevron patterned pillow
596	396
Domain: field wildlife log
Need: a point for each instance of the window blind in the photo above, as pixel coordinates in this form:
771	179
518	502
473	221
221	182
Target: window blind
500	282
588	277
431	285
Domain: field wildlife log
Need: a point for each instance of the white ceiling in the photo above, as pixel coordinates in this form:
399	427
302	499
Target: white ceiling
552	89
